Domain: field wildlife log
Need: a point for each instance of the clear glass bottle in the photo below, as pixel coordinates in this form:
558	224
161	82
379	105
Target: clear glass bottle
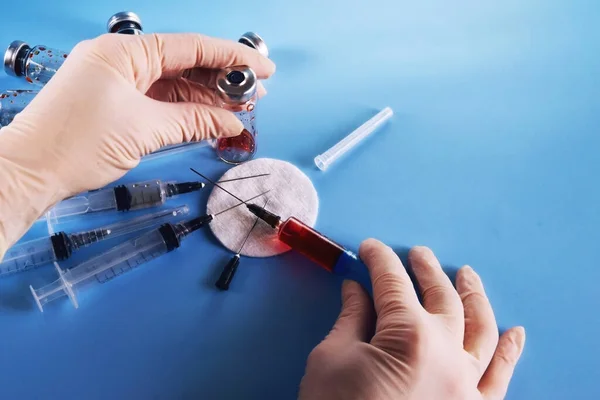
236	92
38	64
125	23
13	102
34	64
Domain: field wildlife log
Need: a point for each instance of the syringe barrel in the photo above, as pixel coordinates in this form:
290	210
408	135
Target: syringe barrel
316	247
119	259
104	267
13	102
28	255
94	201
136	196
86	238
323	161
128	197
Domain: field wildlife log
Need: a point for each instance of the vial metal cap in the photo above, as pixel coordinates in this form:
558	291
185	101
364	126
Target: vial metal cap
236	84
11	57
253	40
123	16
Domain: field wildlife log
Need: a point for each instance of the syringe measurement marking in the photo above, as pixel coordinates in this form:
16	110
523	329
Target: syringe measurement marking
27	263
126	266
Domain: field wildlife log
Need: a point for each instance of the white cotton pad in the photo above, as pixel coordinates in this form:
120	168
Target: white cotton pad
291	194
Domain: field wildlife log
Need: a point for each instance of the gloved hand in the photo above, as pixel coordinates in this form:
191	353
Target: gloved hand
115	99
444	350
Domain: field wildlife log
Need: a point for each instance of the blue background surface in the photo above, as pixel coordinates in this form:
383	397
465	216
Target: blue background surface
491	160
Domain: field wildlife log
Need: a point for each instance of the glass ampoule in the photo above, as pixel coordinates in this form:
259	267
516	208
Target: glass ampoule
236	92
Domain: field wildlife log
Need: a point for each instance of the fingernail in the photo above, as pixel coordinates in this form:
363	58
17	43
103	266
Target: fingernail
468	273
261	91
424	253
273	66
420	250
520	336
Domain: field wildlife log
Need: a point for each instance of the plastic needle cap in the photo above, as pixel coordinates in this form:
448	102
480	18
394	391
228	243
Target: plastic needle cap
230	269
323	161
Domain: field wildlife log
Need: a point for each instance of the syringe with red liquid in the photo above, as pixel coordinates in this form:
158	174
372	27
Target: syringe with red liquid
302	238
308	242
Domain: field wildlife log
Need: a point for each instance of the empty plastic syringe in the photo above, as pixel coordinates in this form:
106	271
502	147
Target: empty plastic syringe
133	196
61	245
121	258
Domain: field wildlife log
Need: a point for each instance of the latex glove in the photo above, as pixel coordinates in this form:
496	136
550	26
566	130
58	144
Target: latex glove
446	349
115	99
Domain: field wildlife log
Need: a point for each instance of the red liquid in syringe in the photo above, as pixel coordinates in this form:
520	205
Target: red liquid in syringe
308	242
311	244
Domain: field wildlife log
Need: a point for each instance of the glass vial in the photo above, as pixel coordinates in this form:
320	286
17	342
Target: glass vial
13	102
125	23
34	64
236	92
253	40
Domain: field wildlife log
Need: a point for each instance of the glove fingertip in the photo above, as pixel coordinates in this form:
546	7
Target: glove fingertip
229	125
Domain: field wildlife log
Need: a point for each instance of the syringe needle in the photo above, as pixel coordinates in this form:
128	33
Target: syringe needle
244	177
239	204
250	231
217	185
185	228
230	269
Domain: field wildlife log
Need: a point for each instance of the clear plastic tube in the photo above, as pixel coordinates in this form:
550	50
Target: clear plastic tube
323	161
58	247
100	200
